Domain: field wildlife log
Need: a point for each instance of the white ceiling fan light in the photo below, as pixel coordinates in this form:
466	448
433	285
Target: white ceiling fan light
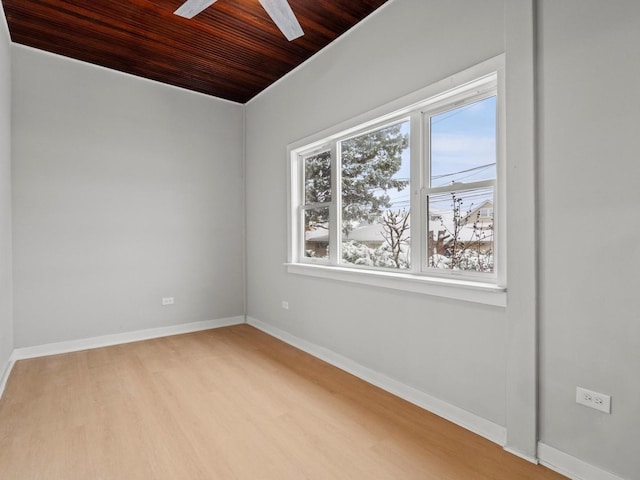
279	11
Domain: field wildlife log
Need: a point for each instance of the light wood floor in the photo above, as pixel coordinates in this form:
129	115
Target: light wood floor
230	403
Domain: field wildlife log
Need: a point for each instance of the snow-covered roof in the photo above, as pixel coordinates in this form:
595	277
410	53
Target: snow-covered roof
374	232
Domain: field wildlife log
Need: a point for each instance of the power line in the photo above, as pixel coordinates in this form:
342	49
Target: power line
481	167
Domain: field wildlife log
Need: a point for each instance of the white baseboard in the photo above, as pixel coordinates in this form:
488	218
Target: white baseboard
570	466
108	340
548	456
119	338
492	431
524	456
5	375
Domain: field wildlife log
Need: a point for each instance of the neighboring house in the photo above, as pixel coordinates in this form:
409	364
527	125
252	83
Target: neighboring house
474	231
316	241
370	234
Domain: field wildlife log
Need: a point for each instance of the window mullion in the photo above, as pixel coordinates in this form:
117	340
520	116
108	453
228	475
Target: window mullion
416	184
500	190
336	205
299	223
425	163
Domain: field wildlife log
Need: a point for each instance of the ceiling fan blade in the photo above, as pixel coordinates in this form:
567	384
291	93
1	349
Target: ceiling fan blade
191	8
282	15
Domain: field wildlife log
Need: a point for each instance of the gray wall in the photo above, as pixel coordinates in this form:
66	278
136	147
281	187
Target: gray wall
454	351
6	300
125	191
588	202
589	211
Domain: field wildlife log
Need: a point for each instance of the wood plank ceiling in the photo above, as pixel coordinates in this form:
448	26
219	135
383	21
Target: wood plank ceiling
232	50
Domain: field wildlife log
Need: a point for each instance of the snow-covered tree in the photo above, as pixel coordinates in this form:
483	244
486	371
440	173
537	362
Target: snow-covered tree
369	163
451	250
395	226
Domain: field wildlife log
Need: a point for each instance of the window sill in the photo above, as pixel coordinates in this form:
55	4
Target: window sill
476	292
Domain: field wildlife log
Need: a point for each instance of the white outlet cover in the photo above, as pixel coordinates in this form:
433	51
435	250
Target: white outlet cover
592	399
167	301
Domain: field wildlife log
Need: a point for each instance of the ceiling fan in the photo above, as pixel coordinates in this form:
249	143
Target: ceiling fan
279	11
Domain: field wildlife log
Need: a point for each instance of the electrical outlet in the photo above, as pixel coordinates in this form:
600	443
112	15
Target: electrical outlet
592	399
167	301
285	305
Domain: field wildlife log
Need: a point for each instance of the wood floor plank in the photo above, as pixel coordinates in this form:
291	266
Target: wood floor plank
230	403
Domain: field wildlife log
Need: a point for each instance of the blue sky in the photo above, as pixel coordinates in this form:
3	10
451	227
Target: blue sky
462	147
463	140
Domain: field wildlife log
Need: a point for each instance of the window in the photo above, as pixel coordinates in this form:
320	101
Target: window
408	196
461	183
317	204
374	206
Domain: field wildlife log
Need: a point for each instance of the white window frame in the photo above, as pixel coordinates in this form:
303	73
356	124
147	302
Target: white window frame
304	206
485	288
482	89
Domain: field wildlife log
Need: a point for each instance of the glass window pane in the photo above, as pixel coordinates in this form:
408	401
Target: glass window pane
463	144
382	242
461	231
316	232
317	178
375	198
